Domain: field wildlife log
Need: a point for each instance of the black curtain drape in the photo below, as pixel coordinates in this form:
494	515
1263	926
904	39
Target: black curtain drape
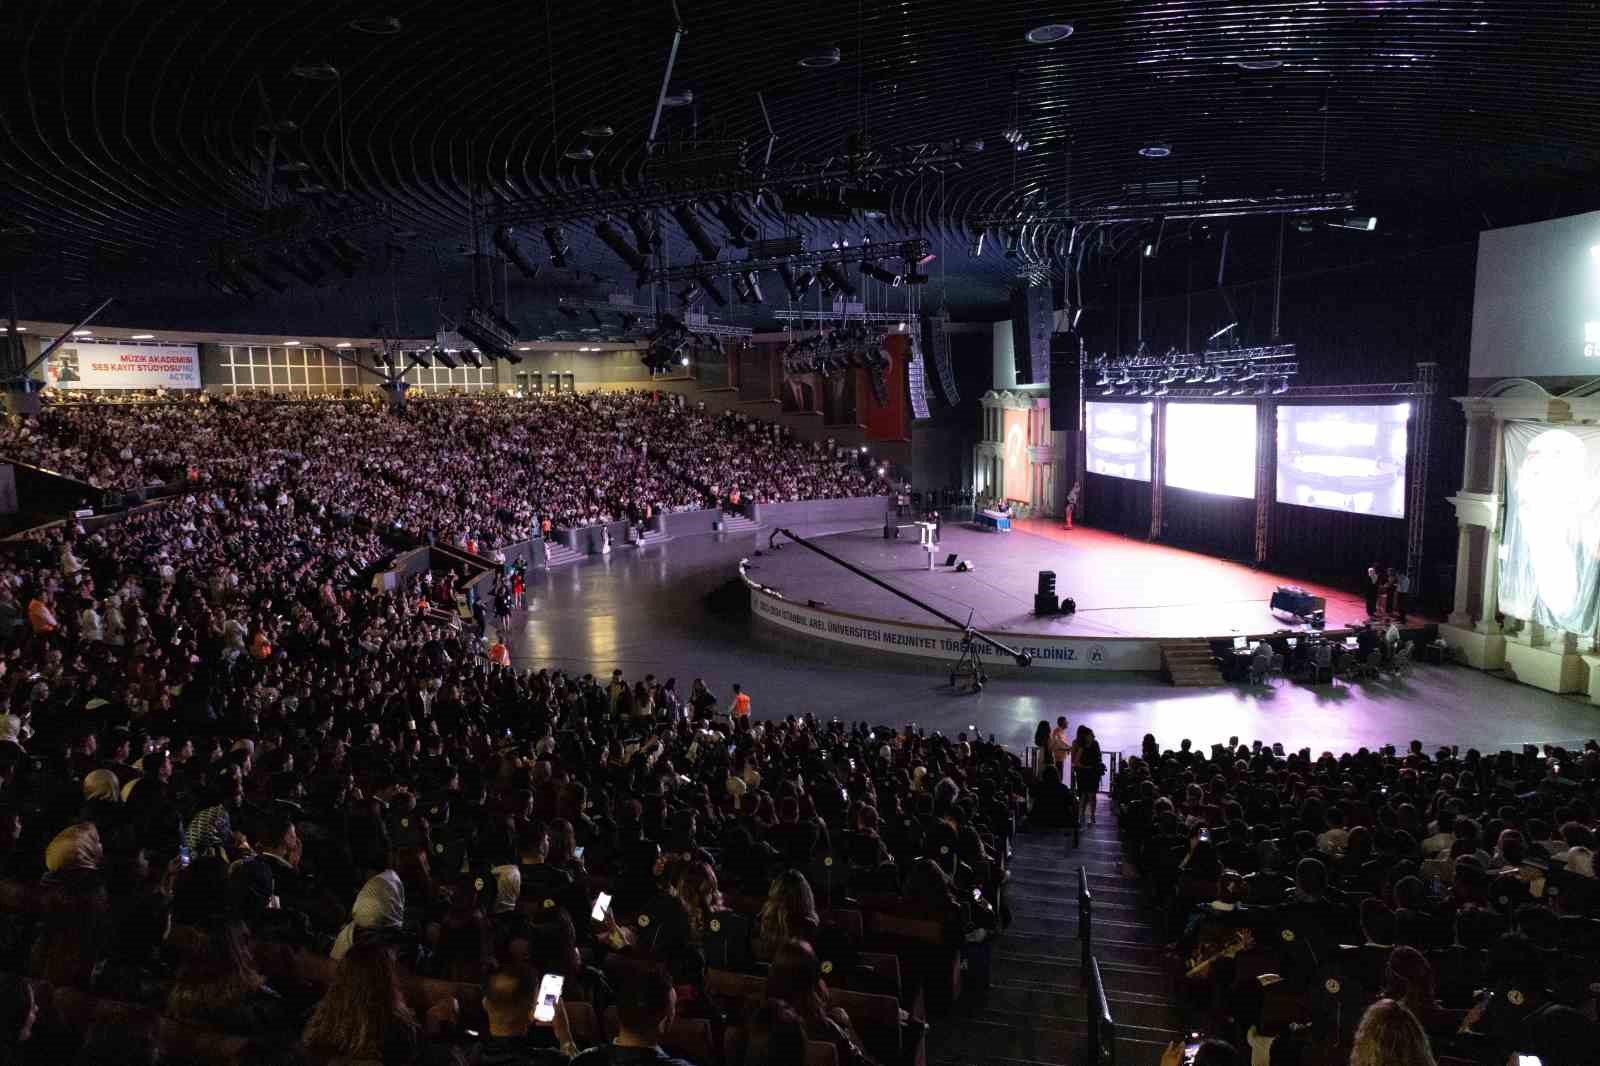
1334	547
1217	525
1116	504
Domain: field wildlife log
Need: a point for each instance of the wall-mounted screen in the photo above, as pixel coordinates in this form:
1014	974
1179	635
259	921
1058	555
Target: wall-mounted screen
1536	304
1211	447
1344	458
1118	439
122	365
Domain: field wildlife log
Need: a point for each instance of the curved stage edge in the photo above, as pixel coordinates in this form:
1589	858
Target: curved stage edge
1133	598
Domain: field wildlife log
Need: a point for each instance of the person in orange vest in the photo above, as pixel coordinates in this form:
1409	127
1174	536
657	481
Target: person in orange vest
499	654
740	707
40	616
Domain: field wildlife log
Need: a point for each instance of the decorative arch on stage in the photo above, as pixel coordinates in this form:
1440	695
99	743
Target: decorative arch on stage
1017	459
1527	593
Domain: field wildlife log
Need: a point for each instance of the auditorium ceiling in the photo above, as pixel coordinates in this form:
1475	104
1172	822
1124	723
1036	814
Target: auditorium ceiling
163	151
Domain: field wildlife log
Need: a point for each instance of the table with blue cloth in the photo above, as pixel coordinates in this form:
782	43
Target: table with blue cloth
998	521
1295	600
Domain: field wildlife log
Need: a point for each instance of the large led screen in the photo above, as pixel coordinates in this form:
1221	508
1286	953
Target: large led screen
1536	304
1211	447
1119	440
1344	458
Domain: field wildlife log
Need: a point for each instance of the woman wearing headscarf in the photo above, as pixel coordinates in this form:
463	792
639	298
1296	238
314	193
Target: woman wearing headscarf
380	906
74	927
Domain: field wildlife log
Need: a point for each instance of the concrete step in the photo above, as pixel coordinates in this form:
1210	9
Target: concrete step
1189	664
559	554
738	524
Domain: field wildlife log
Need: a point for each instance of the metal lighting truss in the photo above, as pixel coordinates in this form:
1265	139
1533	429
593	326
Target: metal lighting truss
699	324
911	249
1178	209
653	191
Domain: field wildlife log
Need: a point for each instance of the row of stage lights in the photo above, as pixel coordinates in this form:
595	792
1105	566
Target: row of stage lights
1239	371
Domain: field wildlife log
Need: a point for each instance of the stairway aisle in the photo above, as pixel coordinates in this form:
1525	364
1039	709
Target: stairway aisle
1034	1012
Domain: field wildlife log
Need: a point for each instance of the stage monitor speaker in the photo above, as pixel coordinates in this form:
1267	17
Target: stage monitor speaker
1047	583
1065	351
1046	604
964	566
950	560
1030	333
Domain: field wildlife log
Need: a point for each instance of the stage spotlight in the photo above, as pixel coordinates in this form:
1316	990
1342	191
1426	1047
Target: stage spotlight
741	231
419	359
975	244
1281	387
614	240
837	277
1222	390
556	241
505	239
644	232
877	273
690	294
690	222
446	358
913	276
1109	390
748	286
1102	378
1359	223
473	357
797	286
710	289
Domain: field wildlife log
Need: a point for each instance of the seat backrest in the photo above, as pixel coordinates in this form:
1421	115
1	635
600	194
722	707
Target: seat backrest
586	1031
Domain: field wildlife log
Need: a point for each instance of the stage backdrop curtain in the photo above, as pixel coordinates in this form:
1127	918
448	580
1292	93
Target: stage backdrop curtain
1550	569
1334	547
1204	521
1116	504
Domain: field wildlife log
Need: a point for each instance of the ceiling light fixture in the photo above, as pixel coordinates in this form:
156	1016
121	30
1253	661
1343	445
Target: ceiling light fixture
315	71
1359	223
599	132
1258	64
1158	150
83	333
290	344
144	336
819	60
1050	33
377	25
342	344
579	155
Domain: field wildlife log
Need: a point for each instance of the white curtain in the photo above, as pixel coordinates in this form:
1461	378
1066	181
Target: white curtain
1550	548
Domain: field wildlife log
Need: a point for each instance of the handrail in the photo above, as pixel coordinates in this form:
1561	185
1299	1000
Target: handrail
1085	924
1102	1027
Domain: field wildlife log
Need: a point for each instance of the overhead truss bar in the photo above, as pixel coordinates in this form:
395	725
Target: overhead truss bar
912	249
1179	210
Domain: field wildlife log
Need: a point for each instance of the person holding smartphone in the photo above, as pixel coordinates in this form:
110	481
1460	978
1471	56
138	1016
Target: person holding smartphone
511	1001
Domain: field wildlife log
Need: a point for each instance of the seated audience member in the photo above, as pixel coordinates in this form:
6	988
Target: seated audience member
217	985
646	1008
363	1014
789	913
795	979
1390	1035
509	999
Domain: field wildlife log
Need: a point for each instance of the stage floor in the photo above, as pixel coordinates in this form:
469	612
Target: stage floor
1123	587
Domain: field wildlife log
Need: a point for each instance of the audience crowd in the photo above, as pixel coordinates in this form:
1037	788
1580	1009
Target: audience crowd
1455	889
476	472
223	753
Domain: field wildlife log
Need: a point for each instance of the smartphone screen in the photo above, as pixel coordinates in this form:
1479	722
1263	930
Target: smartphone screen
1529	1060
577	853
1191	1049
184	855
602	903
544	1011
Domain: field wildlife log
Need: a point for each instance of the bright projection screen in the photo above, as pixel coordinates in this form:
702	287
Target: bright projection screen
1344	458
1119	440
1550	548
1536	304
1211	447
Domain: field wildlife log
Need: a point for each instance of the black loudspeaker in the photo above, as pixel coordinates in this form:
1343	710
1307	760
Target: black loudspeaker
1065	351
950	560
1044	600
964	566
1030	333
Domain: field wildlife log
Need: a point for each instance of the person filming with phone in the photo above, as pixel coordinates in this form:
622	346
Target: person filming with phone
515	1036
